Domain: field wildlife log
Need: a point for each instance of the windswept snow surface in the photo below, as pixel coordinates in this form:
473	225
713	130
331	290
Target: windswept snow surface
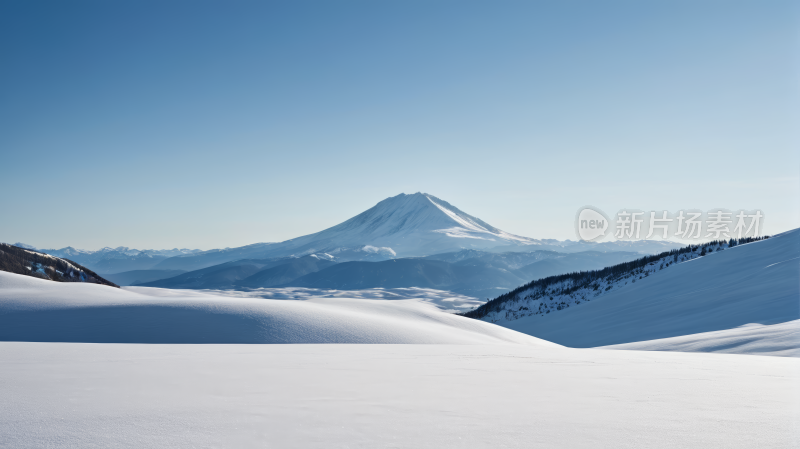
775	339
757	282
68	395
36	310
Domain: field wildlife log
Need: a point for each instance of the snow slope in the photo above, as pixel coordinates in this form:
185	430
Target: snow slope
36	310
773	339
63	395
752	283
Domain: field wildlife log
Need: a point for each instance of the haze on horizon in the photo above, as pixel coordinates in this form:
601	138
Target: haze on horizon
211	124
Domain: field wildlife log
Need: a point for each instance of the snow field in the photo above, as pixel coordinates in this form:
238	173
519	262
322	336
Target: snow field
387	396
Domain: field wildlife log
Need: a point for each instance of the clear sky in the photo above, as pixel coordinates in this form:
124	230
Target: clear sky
211	124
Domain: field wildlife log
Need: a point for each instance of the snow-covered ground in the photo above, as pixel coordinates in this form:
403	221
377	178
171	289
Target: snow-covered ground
776	339
388	396
38	310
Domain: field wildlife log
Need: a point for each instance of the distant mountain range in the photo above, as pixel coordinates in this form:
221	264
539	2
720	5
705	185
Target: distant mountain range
246	273
114	260
135	277
475	273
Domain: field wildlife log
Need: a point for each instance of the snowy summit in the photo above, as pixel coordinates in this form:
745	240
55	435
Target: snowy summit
400	226
412	225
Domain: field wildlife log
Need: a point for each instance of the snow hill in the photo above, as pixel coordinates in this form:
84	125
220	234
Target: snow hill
678	294
36	310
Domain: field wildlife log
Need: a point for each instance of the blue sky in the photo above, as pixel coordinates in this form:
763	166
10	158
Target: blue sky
214	124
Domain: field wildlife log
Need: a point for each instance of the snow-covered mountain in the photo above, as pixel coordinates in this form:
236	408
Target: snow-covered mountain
415	225
401	226
28	262
704	288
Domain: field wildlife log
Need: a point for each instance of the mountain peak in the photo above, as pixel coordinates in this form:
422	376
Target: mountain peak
416	224
404	225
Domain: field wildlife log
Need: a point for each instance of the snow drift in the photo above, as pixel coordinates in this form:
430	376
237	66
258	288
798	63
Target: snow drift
775	339
43	311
